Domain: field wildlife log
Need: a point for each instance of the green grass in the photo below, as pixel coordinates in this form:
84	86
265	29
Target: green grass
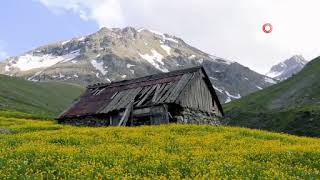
34	149
15	114
291	106
45	99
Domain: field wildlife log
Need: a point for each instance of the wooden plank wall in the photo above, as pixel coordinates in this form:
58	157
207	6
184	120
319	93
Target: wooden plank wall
196	95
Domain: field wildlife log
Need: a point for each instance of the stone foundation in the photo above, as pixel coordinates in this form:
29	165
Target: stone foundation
86	121
183	116
197	117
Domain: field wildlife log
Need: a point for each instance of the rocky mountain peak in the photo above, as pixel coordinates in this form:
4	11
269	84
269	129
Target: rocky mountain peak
287	68
299	59
104	30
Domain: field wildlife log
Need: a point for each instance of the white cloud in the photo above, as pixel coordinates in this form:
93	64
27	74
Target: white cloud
226	28
104	12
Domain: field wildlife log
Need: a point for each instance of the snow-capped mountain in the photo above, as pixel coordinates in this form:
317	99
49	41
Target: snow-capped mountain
287	68
117	54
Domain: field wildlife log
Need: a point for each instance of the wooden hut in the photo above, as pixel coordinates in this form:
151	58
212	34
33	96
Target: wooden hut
182	96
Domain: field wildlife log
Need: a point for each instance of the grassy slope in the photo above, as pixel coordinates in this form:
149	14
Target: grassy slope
292	106
46	99
32	149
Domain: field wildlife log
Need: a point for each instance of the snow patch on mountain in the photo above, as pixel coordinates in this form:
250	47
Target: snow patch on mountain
65	42
171	39
274	74
260	88
192	56
130	65
154	32
200	61
164	36
99	66
238	96
30	61
220	60
269	80
155	59
218	89
7	68
81	38
123	76
61	75
71	55
32	78
228	100
166	48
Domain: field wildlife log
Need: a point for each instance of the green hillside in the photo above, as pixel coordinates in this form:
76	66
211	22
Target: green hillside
291	106
33	149
45	99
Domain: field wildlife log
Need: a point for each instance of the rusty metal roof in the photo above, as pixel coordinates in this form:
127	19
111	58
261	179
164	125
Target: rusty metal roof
144	91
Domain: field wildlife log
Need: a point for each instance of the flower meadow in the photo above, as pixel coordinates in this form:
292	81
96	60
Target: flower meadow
35	149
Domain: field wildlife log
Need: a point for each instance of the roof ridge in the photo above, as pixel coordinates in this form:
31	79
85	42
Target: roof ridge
155	76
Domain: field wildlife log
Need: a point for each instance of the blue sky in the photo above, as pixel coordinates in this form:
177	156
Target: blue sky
231	29
26	24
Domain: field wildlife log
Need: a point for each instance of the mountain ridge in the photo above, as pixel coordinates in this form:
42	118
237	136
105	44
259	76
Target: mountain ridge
118	54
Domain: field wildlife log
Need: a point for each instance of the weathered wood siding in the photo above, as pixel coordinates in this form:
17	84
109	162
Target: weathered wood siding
196	95
159	115
150	115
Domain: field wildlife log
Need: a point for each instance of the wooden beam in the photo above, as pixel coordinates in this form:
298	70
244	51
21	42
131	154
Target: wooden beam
147	95
126	115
